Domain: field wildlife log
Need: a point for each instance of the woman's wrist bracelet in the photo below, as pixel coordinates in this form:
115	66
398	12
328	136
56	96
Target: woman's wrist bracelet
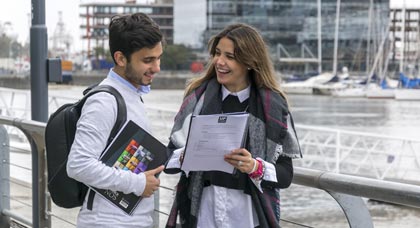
253	168
259	173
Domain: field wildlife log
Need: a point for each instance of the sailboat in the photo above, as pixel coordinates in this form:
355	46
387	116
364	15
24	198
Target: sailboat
352	88
307	86
386	89
334	83
409	88
358	88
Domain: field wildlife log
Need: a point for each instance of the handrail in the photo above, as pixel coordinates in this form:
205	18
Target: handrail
341	131
34	131
4	175
386	191
344	188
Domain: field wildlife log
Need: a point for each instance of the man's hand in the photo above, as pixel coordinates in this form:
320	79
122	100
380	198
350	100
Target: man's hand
152	183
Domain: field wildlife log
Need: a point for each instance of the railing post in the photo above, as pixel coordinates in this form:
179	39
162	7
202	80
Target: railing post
337	152
354	209
40	215
4	177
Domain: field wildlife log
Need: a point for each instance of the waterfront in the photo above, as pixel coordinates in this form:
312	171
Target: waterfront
314	207
299	204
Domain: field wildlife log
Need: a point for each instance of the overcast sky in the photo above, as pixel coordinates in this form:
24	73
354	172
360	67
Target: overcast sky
17	13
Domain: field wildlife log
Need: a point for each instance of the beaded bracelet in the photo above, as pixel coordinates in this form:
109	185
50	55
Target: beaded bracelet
259	173
253	168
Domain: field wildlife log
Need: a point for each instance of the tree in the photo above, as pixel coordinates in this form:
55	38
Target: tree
4	46
9	48
177	57
102	53
15	50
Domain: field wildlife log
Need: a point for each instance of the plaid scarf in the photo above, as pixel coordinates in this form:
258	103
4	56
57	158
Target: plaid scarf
271	134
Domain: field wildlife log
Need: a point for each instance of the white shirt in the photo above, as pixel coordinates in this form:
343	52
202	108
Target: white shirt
219	205
96	121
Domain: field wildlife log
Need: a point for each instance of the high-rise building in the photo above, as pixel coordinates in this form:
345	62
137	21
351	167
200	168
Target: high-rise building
96	17
405	40
290	27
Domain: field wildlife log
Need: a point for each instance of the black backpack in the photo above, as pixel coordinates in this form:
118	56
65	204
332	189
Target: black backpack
59	136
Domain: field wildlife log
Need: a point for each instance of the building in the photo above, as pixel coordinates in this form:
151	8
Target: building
96	17
405	40
290	27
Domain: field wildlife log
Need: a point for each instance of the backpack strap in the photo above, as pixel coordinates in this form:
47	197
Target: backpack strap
120	121
91	196
122	110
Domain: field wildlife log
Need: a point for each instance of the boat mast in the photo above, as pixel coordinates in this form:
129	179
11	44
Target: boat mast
337	23
369	36
319	37
402	38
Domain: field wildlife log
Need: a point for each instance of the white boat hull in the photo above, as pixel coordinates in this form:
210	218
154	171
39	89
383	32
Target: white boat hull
407	94
297	89
306	87
349	92
327	89
379	93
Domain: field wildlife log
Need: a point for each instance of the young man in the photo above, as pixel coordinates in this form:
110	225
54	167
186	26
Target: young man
135	43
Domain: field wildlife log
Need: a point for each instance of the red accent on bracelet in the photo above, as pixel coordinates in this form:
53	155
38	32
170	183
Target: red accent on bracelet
257	174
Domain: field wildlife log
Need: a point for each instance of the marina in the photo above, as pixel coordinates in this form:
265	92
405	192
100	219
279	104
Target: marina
315	208
350	70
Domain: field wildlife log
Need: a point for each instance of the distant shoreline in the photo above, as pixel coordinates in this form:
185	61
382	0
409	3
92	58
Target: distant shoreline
163	80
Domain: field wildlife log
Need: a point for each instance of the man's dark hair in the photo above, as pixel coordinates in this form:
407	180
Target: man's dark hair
130	33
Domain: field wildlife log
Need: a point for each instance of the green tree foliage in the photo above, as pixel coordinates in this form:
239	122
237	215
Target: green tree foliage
9	48
102	53
15	49
177	57
4	46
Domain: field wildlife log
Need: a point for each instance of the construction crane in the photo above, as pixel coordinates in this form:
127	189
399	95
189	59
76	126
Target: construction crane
61	39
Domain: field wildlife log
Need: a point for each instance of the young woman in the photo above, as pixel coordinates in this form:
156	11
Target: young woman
240	77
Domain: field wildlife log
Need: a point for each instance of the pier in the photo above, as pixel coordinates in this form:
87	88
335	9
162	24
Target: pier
341	169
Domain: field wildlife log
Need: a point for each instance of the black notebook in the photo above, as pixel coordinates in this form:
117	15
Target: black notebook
133	150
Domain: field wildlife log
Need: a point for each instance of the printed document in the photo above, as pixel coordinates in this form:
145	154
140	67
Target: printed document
211	137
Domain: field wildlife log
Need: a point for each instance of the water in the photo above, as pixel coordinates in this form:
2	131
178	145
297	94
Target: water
382	116
299	204
314	207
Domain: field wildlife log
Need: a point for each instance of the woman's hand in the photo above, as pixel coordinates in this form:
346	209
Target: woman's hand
242	160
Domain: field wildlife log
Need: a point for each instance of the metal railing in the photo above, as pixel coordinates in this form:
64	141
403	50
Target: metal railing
348	152
359	153
34	131
345	189
335	151
341	151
